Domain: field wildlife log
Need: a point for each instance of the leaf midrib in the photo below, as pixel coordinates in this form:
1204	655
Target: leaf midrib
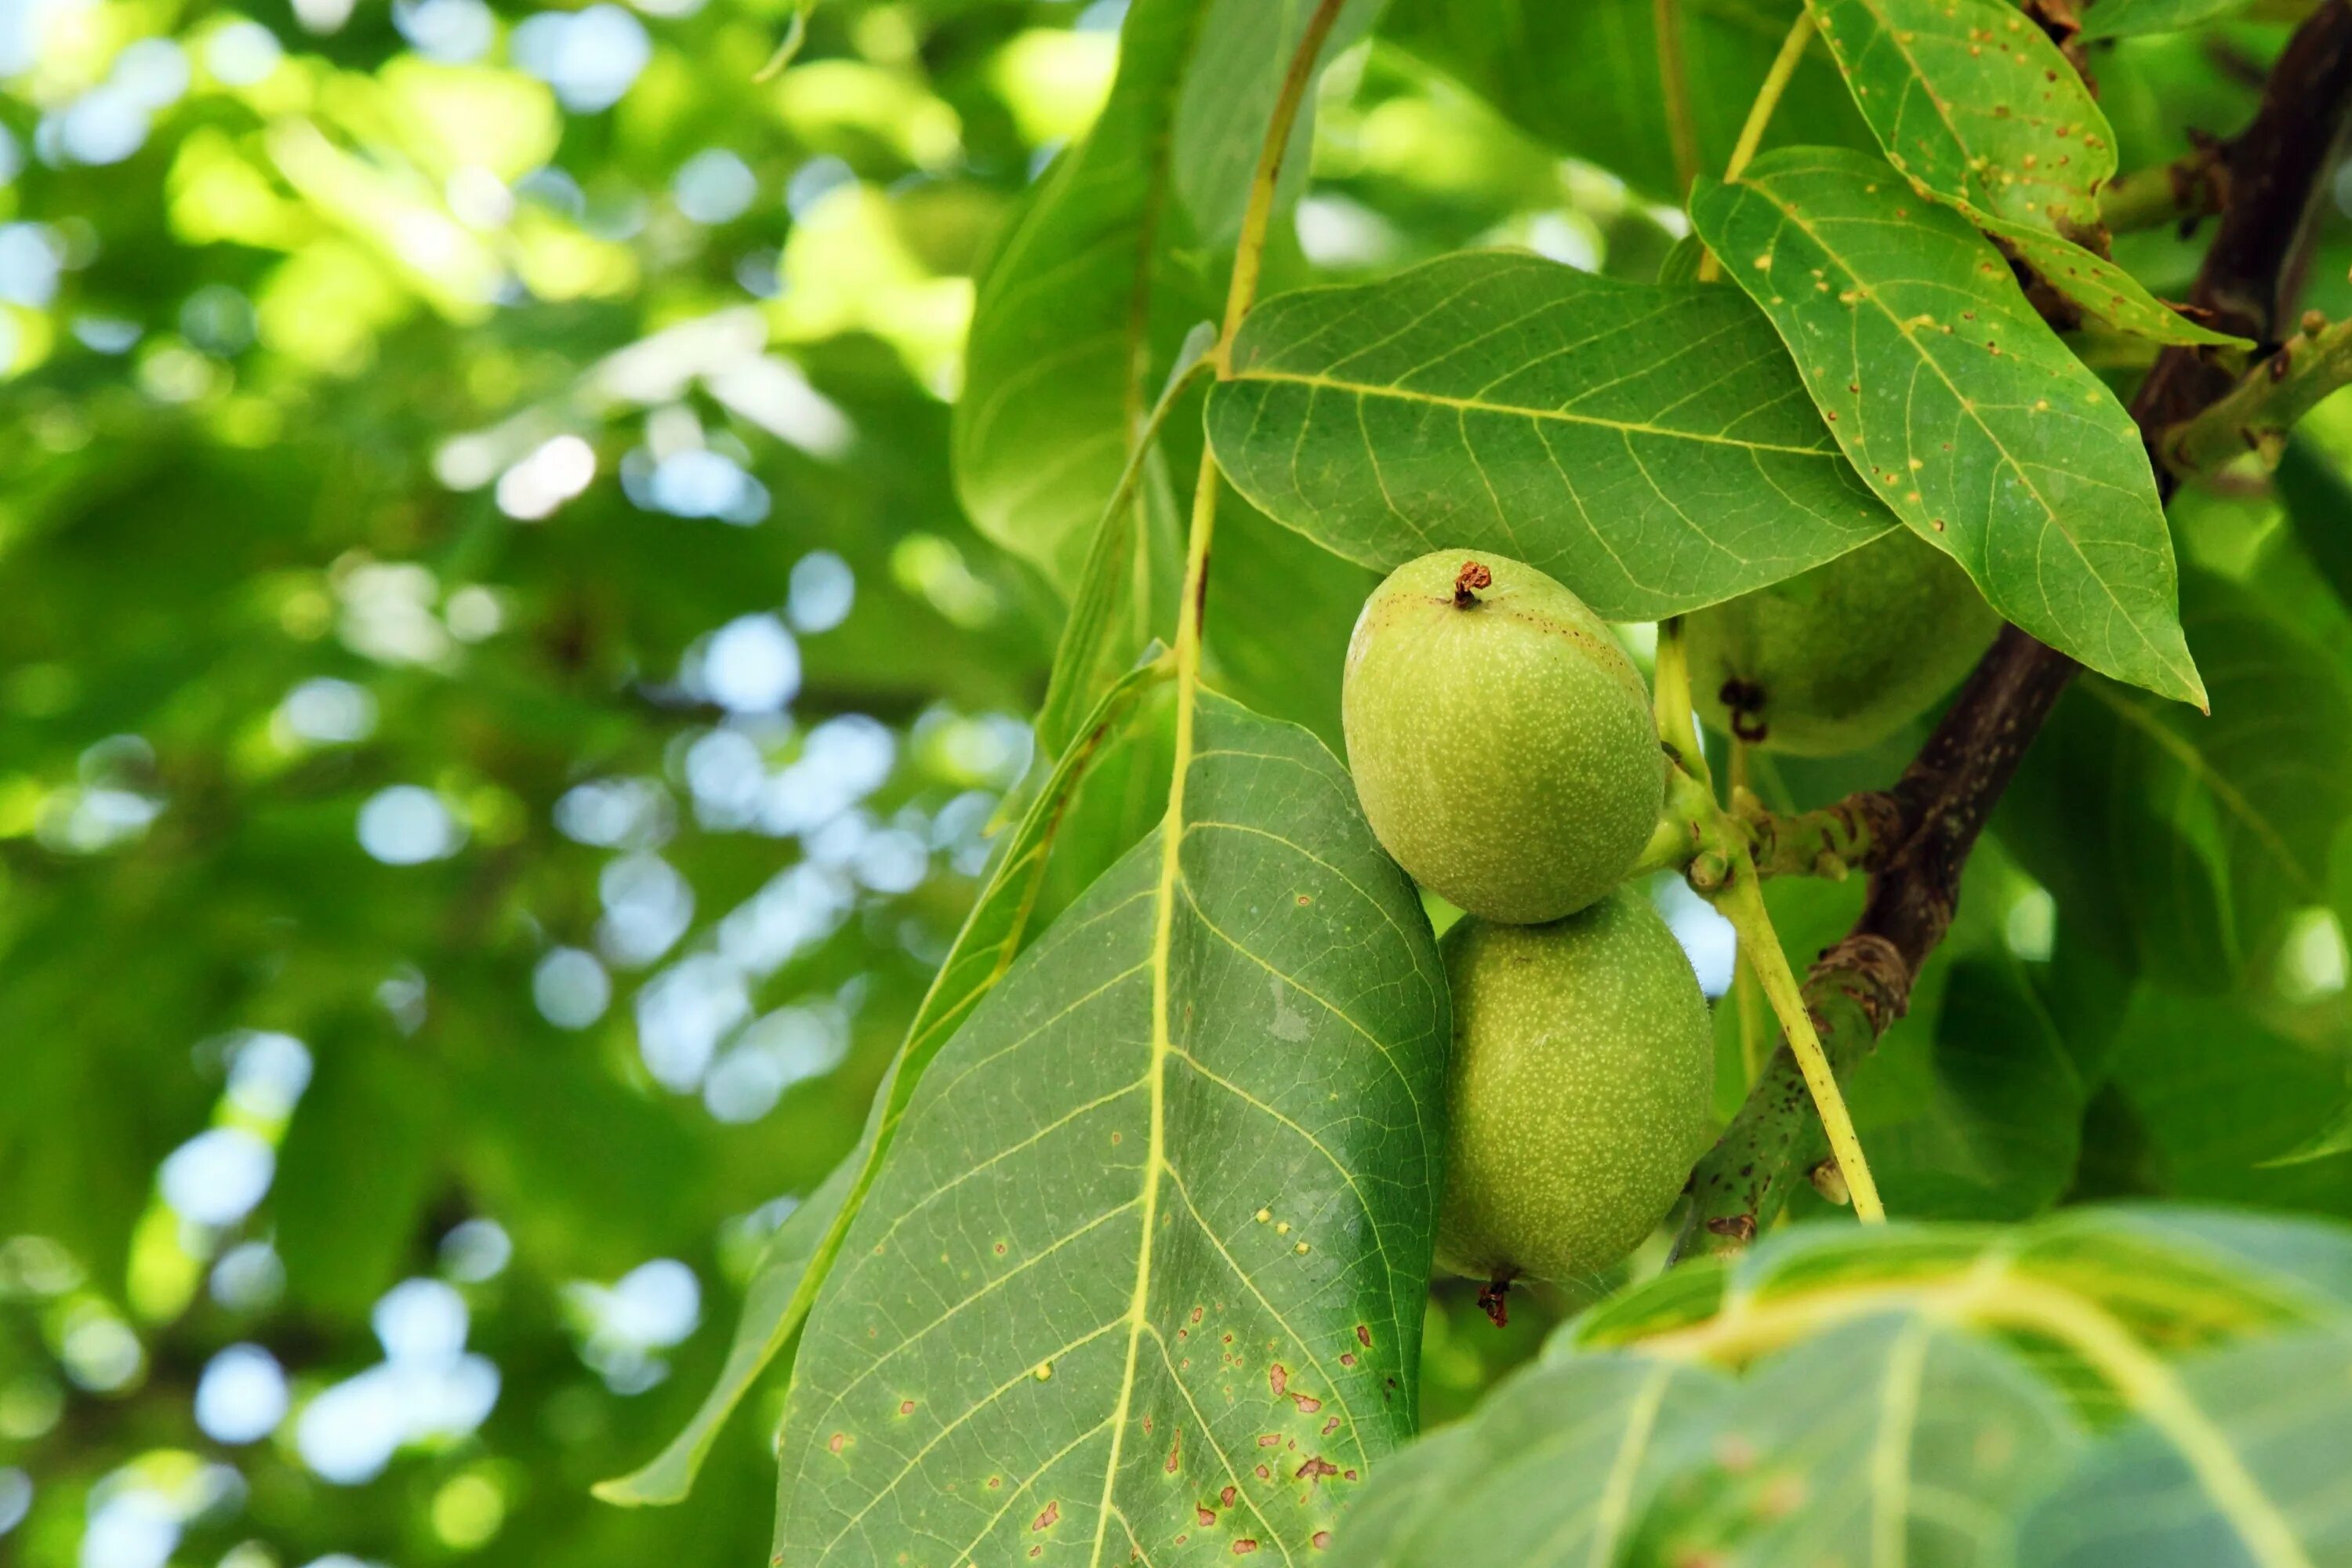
2195	763
1513	411
1969	406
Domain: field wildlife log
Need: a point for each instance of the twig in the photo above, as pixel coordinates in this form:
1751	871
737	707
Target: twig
2276	175
2265	405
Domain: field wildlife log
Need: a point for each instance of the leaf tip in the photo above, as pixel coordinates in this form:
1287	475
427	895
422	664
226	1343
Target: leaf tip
631	1491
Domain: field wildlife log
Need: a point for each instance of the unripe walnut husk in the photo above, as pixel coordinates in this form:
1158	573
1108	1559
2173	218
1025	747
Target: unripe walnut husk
1582	1071
1839	657
1502	743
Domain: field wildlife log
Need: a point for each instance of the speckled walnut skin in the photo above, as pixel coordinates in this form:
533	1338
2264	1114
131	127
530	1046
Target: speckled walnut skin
1502	743
1582	1068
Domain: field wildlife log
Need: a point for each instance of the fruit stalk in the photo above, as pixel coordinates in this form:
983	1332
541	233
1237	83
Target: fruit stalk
1741	901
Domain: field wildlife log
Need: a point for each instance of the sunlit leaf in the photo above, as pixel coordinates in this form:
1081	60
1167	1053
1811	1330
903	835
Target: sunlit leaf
1147	1268
1972	100
1974	423
2243	1471
1975	105
1553	1470
1083	308
1649	447
1918	1394
1893	1438
1001	922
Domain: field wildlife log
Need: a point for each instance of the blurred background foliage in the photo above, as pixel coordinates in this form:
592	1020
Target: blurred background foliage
500	711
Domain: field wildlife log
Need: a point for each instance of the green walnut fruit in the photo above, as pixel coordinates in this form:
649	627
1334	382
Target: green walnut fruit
1503	744
1840	657
1583	1064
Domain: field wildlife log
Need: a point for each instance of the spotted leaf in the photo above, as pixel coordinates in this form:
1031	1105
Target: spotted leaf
1144	1275
1960	406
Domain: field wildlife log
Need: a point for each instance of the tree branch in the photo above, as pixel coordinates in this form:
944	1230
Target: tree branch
2274	175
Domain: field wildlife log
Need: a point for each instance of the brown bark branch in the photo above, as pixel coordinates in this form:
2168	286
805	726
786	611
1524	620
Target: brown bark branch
2275	176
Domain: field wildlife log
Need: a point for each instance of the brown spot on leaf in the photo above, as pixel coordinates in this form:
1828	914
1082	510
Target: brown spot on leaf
1047	1520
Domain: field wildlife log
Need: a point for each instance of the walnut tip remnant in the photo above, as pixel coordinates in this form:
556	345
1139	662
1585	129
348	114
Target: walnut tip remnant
1494	1299
1473	576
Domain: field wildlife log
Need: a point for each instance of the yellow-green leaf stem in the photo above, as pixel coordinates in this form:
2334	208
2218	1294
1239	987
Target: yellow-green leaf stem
1741	901
1759	116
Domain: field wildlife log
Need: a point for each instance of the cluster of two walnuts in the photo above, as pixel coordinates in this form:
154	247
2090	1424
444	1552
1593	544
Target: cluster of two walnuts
1506	755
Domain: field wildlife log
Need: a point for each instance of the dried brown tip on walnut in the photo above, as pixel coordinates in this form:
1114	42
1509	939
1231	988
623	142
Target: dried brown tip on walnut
1473	576
1494	1299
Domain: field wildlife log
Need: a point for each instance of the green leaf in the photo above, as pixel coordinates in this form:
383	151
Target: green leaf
2249	1475
2122	18
2222	1096
1584	77
1649	447
773	1307
2318	501
1915	1393
1002	921
1083	307
2185	844
1229	95
2267	780
2184	1279
1975	105
1896	1439
2104	290
1148	1266
1976	424
1991	1107
1972	102
1137	545
1554	1468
